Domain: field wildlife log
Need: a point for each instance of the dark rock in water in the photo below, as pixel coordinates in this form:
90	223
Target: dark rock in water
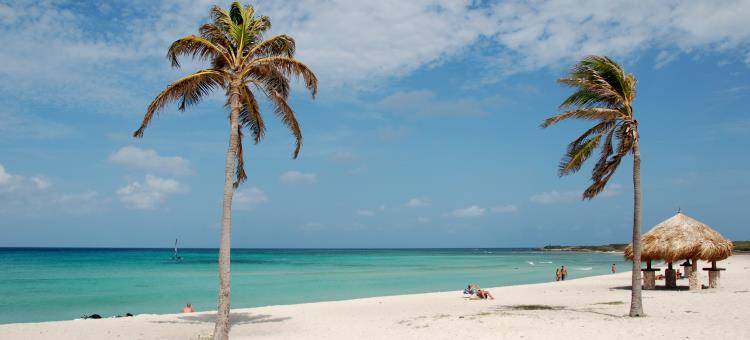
92	316
128	314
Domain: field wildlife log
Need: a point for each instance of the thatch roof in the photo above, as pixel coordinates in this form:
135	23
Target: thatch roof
682	237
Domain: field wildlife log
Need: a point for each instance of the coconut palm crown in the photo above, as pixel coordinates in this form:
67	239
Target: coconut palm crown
241	60
604	94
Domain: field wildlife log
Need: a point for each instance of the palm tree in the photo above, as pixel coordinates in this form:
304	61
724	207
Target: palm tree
241	61
604	94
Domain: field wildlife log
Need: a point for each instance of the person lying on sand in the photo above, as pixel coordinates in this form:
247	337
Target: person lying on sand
484	294
188	308
470	290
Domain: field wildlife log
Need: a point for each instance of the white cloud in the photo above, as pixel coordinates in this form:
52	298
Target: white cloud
152	192
611	190
17	126
418	203
8	181
350	43
554	196
533	35
149	160
501	209
293	177
391	134
248	198
40	182
395	38
344	156
365	212
382	39
32	195
471	211
426	103
81	203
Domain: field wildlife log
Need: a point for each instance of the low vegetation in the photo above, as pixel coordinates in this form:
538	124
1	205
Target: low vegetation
535	307
602	248
741	245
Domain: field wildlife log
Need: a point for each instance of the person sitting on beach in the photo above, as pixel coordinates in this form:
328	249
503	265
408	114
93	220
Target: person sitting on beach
558	274
188	308
484	294
469	290
563	273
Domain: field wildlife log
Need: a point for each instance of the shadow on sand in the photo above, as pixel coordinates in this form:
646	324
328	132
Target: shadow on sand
657	288
234	319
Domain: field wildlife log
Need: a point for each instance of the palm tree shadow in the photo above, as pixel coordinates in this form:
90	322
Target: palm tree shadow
234	319
656	288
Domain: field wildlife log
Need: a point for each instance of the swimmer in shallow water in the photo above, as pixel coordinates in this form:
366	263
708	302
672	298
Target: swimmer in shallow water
188	308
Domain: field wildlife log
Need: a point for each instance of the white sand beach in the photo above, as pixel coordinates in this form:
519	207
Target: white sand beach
594	307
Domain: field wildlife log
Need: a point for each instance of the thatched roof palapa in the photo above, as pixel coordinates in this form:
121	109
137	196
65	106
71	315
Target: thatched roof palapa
682	237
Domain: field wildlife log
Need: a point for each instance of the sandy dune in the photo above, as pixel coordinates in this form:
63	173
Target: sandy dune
593	307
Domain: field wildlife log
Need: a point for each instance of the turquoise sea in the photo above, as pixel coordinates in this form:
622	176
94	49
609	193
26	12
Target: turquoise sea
44	284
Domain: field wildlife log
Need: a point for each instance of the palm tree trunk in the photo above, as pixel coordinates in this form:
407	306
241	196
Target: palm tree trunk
636	306
221	329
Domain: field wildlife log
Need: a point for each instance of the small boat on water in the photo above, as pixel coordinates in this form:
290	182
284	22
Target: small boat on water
176	256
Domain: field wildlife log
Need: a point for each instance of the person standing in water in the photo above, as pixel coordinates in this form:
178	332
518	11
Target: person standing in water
558	274
563	273
188	308
614	268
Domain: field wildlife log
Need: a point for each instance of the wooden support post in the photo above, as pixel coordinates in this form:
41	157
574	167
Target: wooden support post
714	275
695	283
649	279
686	268
670	280
714	278
649	276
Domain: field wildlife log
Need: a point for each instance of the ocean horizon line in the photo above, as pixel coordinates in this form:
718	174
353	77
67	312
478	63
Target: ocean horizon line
269	248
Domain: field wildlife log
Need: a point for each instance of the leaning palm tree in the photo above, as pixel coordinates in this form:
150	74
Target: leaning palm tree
604	94
244	64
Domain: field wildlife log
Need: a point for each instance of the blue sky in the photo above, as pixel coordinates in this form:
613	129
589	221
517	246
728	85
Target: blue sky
424	134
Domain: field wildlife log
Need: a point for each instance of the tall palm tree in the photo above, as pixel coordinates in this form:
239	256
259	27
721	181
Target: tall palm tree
242	61
604	94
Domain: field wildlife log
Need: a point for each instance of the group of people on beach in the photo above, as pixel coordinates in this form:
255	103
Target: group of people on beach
561	273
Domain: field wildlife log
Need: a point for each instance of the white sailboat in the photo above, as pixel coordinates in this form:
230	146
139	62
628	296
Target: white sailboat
175	256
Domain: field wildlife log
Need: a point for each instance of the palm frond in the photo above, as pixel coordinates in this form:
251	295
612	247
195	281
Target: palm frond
217	36
269	79
601	128
597	186
286	115
220	17
197	47
280	45
250	115
290	67
240	174
577	155
189	90
592	113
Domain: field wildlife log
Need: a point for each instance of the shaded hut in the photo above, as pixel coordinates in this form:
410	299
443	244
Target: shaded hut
682	237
